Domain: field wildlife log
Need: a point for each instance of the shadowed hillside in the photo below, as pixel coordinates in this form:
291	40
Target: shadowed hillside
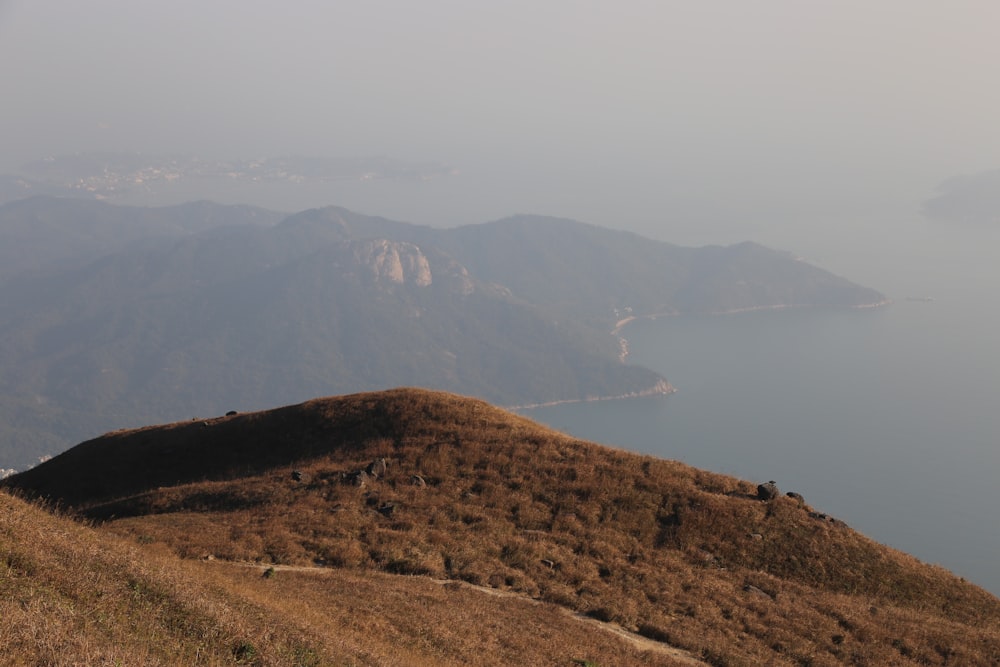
46	234
123	316
470	493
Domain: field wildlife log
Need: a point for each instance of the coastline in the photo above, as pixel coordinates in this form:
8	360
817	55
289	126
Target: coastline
661	388
623	347
621	324
664	388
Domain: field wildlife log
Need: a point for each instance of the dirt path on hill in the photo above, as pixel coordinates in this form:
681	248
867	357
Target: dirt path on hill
640	642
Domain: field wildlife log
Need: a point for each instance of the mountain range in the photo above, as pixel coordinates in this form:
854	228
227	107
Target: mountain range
119	316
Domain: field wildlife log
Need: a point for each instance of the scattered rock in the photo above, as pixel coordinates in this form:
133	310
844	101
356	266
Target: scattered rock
377	468
767	491
232	413
797	497
826	518
753	590
704	557
549	563
298	475
417	480
388	509
756	536
357	478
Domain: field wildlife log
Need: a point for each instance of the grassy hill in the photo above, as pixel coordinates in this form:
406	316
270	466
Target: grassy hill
475	496
122	316
75	595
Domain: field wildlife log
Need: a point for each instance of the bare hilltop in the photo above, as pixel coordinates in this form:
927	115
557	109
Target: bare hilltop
413	527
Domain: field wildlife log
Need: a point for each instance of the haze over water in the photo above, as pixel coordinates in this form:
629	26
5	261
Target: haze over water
886	418
816	128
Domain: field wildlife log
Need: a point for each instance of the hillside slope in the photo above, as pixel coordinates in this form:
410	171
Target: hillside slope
73	595
118	316
471	493
590	272
47	234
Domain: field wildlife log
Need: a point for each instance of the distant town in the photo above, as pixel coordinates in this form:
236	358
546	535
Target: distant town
110	176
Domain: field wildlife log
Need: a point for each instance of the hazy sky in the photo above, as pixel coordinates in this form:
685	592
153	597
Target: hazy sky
817	126
707	111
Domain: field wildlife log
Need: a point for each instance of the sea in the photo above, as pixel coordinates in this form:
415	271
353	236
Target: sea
886	418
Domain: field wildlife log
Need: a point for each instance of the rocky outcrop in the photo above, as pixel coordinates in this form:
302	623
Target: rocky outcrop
397	262
767	491
797	497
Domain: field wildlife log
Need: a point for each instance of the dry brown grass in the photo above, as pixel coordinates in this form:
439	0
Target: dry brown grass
71	595
677	554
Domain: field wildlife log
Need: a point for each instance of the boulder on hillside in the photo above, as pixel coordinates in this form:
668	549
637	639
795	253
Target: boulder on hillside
377	468
356	478
767	491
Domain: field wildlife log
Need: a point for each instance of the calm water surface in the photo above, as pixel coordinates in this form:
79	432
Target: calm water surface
887	419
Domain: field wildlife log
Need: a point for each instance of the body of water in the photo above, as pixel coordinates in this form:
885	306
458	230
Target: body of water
887	418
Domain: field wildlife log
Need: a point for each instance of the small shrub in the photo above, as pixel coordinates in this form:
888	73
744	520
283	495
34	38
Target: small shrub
18	564
244	653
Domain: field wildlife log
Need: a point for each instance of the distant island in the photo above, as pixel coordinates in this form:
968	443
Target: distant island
970	199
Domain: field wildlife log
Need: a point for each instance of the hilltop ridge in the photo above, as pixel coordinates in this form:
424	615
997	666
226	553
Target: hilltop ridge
471	493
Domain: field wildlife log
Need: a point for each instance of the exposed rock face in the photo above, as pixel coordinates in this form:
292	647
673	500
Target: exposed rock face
458	278
396	262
